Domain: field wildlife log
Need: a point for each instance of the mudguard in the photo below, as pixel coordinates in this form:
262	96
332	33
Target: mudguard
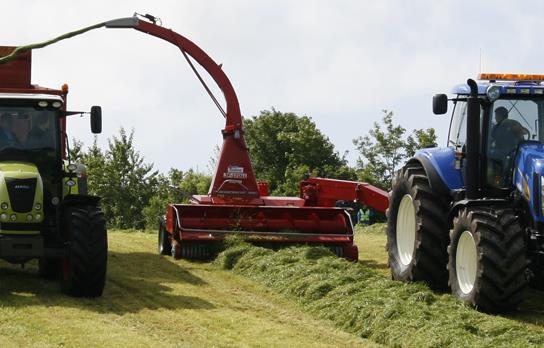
439	165
80	199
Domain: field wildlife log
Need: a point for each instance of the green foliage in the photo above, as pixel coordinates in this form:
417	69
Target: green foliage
419	139
285	147
129	183
120	176
177	187
383	150
75	152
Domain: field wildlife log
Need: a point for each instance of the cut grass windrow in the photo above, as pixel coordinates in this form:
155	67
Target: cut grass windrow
364	302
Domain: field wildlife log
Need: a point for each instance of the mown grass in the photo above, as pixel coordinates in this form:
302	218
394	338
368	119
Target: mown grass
361	299
152	301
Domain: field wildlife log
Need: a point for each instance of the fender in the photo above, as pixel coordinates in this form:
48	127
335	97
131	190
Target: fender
439	165
80	199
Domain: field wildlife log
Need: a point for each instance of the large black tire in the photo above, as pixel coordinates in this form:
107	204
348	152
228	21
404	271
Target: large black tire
164	244
84	268
417	229
49	268
487	259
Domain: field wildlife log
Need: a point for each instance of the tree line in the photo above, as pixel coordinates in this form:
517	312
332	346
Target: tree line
284	148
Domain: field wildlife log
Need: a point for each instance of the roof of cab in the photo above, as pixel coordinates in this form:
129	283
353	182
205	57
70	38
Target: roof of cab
508	83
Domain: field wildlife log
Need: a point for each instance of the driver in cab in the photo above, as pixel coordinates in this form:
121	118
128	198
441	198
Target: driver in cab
506	134
40	135
7	137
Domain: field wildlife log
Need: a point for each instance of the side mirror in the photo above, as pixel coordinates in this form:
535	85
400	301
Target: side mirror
96	119
440	104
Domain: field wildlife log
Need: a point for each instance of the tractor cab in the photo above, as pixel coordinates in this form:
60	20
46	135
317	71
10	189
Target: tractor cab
30	131
511	117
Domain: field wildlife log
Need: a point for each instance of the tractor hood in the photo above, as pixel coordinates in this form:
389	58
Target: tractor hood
19	170
528	171
21	193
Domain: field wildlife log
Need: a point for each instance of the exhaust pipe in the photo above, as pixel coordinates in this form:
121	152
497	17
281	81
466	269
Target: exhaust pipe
472	168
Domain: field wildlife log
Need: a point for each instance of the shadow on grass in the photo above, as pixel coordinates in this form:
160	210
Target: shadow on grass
135	281
532	308
373	264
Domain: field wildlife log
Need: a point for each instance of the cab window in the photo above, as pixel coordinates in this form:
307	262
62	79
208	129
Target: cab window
458	128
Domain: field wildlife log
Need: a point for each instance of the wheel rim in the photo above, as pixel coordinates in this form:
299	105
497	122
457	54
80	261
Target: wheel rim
466	262
406	230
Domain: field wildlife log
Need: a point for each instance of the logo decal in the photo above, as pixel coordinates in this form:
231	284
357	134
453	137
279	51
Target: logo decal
235	172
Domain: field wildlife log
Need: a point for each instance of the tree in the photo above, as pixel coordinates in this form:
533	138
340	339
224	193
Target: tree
120	176
383	150
177	187
75	152
284	147
420	138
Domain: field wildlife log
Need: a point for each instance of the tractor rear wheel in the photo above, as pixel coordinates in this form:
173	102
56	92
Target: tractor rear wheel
417	229
487	259
165	246
84	269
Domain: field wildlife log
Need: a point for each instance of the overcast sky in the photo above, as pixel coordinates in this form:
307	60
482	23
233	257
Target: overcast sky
340	62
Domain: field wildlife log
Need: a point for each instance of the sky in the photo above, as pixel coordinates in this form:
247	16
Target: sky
339	62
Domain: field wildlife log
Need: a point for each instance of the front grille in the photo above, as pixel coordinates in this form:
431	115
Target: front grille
21	194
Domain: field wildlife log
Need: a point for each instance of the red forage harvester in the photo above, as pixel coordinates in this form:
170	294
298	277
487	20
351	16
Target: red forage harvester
236	203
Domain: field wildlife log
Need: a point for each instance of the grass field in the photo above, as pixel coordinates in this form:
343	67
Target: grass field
371	241
360	298
156	301
297	297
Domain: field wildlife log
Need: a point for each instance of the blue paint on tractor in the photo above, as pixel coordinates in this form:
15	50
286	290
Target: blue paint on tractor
443	160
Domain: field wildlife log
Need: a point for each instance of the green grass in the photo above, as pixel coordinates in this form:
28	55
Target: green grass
360	297
156	301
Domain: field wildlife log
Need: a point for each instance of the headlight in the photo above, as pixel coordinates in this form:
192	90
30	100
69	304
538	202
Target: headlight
493	92
4	206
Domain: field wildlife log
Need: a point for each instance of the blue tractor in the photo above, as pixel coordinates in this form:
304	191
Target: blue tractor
470	216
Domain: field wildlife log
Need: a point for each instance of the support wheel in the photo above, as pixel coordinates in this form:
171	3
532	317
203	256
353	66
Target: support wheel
417	229
84	268
49	268
165	246
487	260
191	250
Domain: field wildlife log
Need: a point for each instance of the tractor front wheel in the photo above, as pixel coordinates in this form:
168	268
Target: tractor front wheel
165	246
84	268
487	259
417	232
